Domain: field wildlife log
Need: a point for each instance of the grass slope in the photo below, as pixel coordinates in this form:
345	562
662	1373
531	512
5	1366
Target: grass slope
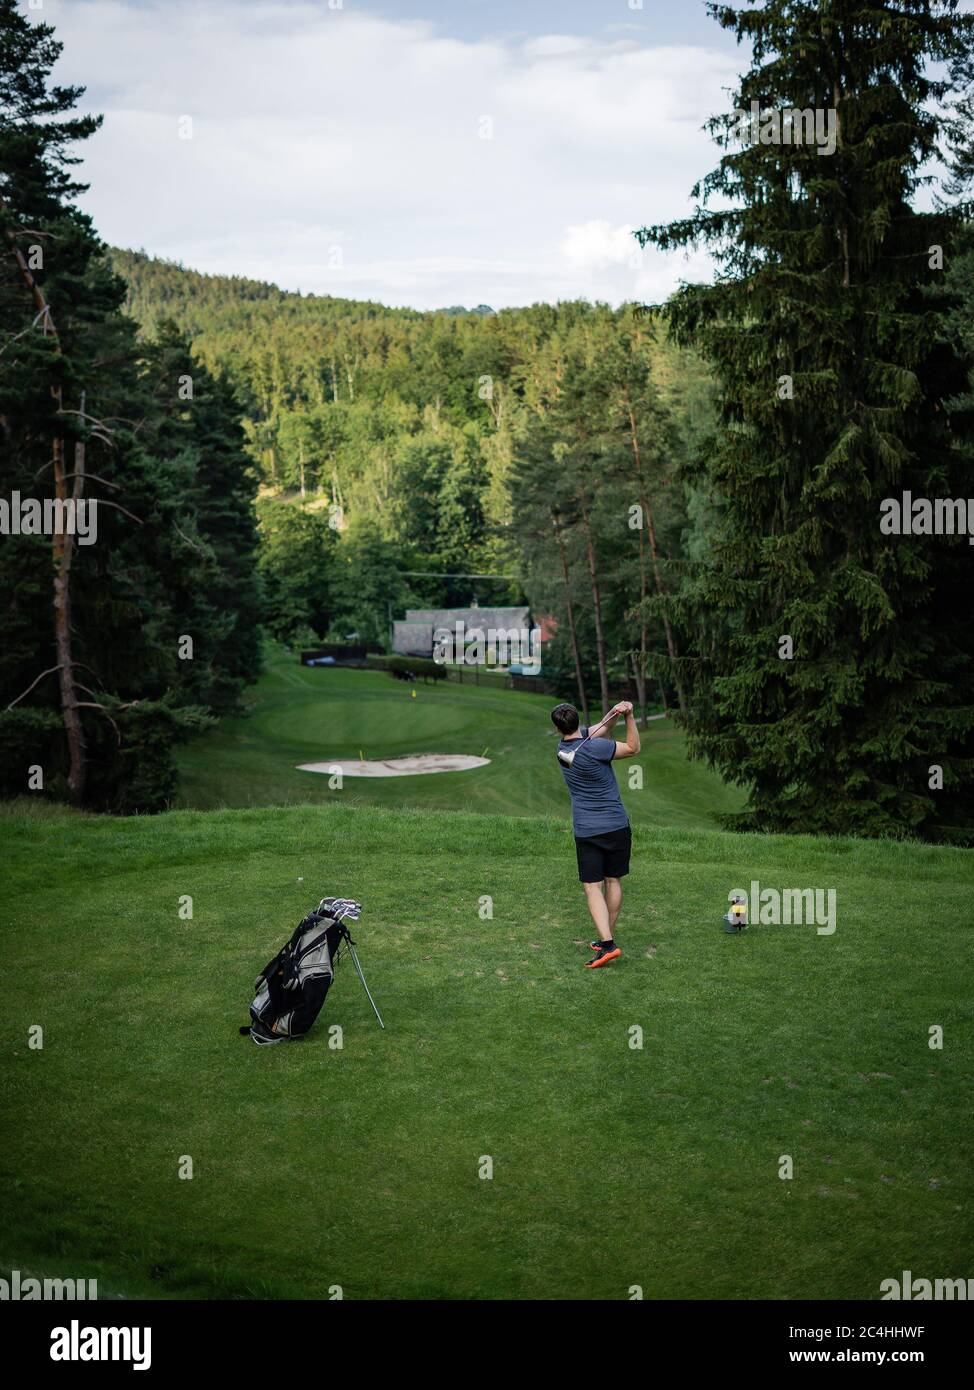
308	714
358	1167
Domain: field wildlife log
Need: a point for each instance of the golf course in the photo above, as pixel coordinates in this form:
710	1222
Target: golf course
523	1128
486	677
301	714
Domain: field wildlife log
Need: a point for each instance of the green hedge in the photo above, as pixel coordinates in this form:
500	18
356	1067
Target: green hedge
419	665
31	737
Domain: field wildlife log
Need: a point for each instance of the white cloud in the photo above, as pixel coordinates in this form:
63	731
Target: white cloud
597	245
316	128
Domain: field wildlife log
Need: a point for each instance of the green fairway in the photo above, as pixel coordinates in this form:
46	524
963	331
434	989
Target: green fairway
612	1166
308	714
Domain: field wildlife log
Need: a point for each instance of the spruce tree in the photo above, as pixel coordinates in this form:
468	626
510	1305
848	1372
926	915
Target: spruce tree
92	688
826	327
209	543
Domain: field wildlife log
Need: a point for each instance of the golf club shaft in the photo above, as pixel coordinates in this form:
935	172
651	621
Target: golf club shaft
604	720
613	713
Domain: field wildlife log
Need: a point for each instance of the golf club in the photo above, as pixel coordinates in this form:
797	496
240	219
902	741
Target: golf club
567	758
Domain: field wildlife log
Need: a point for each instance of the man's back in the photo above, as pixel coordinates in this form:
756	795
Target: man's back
596	802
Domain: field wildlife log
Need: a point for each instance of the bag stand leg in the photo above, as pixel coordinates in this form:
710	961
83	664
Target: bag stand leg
350	945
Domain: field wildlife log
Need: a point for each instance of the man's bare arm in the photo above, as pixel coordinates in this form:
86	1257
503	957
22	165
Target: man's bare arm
632	744
605	723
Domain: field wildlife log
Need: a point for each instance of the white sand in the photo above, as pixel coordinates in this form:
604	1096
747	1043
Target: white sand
409	766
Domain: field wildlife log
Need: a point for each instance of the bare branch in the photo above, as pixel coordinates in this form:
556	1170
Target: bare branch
107	502
24	331
190	541
93	704
97	478
34	231
95	422
50	671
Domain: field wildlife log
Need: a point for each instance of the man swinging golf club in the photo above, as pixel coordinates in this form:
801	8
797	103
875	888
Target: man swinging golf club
603	837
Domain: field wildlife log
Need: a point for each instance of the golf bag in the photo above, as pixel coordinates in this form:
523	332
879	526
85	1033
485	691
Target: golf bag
291	988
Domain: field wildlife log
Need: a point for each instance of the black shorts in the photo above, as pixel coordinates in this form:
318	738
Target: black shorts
603	856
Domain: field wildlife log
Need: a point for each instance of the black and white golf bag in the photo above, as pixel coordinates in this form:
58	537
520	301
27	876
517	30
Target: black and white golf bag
291	988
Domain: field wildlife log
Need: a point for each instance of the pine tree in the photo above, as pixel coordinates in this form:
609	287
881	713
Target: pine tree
47	296
92	689
208	549
826	328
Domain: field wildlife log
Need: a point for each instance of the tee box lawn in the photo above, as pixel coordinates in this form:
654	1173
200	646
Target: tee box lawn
713	1116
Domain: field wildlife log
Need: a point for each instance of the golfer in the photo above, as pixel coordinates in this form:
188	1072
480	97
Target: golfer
603	837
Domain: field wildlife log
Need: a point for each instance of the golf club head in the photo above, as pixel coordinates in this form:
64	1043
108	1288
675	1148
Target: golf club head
566	759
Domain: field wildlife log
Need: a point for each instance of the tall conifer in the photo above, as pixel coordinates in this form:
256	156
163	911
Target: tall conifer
826	328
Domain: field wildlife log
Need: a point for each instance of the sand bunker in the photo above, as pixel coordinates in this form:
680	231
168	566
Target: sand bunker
410	766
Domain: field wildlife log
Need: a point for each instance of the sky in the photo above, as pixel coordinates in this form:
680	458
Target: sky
415	152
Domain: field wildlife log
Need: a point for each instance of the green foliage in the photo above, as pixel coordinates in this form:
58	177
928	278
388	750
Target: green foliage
828	283
409	424
31	738
168	475
367	583
132	765
599	506
296	546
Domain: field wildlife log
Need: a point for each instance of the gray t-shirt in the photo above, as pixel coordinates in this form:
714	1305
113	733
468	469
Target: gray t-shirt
596	804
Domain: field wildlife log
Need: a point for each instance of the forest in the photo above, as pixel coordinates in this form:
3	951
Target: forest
690	490
388	444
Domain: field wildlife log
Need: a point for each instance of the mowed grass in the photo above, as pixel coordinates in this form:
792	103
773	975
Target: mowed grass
312	714
612	1166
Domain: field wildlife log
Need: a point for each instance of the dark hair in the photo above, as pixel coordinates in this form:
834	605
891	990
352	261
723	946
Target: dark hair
565	718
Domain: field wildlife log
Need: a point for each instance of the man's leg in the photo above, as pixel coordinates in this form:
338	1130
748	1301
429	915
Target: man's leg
613	901
599	910
603	916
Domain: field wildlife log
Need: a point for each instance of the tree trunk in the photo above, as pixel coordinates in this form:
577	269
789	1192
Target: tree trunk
639	668
843	227
657	576
63	552
596	610
662	691
583	700
62	545
639	676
